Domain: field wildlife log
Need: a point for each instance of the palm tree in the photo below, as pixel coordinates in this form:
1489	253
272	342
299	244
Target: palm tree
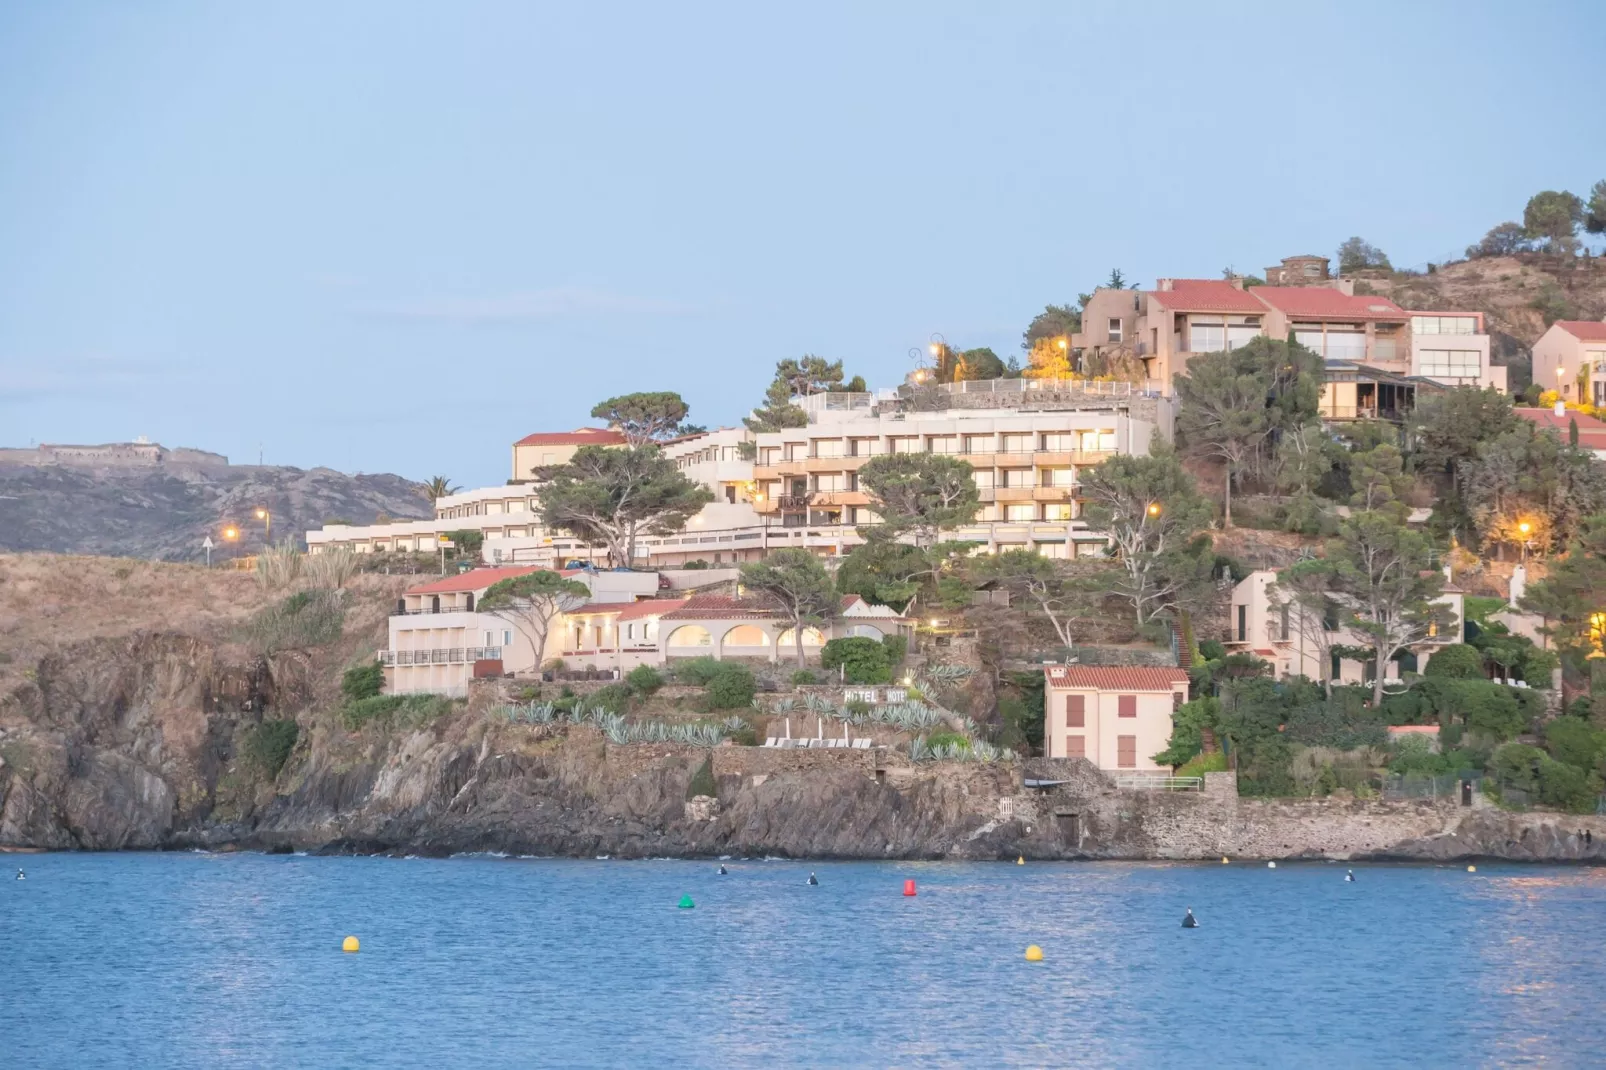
439	487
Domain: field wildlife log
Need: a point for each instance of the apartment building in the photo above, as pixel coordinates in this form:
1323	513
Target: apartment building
439	640
1299	642
556	447
1377	354
1118	718
1570	358
1026	440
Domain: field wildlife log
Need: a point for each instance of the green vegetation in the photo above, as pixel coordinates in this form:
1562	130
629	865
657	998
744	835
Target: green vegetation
794	378
947	739
1456	661
732	688
796	580
1200	764
362	681
920	494
303	620
644	680
267	745
645	418
862	660
804	677
400	711
530	602
702	781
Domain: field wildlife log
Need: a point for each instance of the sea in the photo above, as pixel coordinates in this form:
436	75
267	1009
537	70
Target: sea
235	960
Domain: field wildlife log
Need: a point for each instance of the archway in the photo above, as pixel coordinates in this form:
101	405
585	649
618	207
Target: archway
745	635
690	635
811	637
863	631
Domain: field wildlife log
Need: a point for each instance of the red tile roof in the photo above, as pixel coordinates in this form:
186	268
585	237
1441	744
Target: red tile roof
646	607
1205	295
1591	432
1584	330
475	580
1114	678
724	607
580	436
1320	302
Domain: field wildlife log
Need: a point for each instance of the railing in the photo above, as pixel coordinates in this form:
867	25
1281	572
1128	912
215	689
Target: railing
440	655
426	611
1090	387
795	501
1144	782
1443	786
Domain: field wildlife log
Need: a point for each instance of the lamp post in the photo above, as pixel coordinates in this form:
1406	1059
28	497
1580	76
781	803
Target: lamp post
267	524
1524	528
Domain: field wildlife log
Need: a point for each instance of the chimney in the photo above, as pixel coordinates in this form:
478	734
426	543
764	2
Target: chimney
1163	285
1237	282
1519	584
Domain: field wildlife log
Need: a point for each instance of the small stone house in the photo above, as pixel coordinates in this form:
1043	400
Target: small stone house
1117	717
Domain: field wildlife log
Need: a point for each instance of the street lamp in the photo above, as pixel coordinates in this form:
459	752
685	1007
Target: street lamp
1524	528
1154	509
267	524
231	533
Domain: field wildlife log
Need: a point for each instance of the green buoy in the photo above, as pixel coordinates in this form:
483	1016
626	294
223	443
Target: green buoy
686	903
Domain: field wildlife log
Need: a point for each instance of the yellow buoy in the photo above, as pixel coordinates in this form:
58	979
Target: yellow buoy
1034	954
349	944
1472	869
1223	859
1021	861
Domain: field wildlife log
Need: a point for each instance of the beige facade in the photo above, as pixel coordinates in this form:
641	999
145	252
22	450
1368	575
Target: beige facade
1299	642
556	447
720	626
1117	718
1570	358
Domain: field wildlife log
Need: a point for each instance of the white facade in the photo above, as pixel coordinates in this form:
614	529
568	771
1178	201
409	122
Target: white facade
1452	348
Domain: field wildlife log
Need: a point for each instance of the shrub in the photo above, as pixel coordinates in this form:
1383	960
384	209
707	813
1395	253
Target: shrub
305	619
1458	661
1577	743
268	745
1566	787
702	781
803	676
331	569
897	649
1516	765
698	671
947	739
1200	764
614	698
1211	650
644	680
1414	754
731	688
858	707
408	711
363	681
863	660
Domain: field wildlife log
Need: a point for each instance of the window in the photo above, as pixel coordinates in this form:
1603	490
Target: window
1014	477
1206	337
1243	623
866	447
983	478
1126	751
828	447
830	481
1058	477
796	451
490	639
906	445
1126	706
1020	512
944	444
1241	335
1059	441
1017	443
507	638
1076	746
979	443
1176	701
1444	325
1450	363
1059	511
1115	329
769	455
1075	711
1282	628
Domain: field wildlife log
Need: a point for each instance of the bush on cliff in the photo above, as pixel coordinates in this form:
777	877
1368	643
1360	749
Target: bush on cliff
1456	661
407	711
697	671
305	619
861	660
268	745
947	739
731	688
702	781
1575	742
1200	764
363	681
644	680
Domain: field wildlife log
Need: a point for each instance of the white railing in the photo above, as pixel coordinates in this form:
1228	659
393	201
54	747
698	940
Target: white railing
1098	388
1146	782
440	655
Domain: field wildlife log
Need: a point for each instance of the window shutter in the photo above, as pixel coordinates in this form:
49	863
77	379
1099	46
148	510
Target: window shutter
1076	746
1127	706
1075	715
1126	751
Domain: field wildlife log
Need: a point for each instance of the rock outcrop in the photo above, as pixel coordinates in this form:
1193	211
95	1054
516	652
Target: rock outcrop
135	743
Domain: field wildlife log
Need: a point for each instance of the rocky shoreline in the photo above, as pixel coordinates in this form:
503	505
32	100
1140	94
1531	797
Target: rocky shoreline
132	744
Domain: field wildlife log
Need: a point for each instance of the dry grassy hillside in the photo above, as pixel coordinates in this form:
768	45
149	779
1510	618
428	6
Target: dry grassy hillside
48	601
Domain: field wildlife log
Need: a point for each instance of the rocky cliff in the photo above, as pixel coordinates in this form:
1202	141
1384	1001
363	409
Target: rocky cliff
136	742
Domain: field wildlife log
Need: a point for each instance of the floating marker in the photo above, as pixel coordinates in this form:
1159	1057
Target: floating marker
1021	861
1271	865
349	944
908	887
686	903
1472	869
1034	953
1223	859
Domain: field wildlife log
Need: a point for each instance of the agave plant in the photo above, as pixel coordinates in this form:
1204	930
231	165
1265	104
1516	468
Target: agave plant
785	705
815	703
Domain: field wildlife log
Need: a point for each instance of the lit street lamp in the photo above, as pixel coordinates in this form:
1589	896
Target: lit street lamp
1154	509
1524	528
267	524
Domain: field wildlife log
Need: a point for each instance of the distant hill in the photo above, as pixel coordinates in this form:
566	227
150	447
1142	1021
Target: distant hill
159	504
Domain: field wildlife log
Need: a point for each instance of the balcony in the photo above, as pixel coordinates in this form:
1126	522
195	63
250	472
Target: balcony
440	655
794	502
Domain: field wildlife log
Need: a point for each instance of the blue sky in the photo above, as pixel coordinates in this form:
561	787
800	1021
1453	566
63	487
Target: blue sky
396	236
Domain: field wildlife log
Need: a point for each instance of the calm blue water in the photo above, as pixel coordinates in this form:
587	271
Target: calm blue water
233	960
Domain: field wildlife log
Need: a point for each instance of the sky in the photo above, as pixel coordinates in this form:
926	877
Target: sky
392	236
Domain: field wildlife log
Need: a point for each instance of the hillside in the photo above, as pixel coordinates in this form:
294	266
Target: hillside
1520	297
163	512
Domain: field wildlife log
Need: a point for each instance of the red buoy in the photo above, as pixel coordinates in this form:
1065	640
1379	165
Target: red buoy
908	887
